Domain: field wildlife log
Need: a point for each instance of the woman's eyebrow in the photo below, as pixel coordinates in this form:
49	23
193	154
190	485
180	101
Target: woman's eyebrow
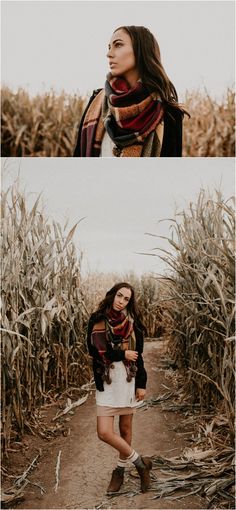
120	293
115	41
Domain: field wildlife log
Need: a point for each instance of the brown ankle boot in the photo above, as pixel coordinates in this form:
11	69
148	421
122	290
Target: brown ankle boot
144	473
117	479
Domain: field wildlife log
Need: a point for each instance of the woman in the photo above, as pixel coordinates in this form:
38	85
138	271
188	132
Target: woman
137	113
115	342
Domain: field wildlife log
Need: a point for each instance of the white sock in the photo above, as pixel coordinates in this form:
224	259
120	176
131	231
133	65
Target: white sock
136	459
122	463
133	457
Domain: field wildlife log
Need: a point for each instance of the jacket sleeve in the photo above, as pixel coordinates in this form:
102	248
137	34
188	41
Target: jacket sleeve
141	375
77	150
91	348
172	138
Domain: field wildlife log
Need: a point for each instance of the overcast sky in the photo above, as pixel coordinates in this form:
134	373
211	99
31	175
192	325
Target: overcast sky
121	200
63	45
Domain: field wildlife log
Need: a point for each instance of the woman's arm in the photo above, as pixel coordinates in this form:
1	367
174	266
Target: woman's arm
112	355
91	349
77	151
172	139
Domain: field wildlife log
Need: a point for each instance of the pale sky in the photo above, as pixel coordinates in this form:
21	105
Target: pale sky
63	44
121	201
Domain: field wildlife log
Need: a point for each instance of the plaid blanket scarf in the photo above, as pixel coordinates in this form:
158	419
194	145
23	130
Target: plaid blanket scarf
116	330
128	115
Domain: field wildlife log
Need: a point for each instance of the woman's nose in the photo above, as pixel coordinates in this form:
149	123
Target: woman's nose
109	53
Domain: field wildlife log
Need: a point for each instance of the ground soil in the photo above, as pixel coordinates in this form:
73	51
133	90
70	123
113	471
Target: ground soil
86	463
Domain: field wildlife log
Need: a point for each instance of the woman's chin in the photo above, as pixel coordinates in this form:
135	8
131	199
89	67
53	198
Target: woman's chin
114	73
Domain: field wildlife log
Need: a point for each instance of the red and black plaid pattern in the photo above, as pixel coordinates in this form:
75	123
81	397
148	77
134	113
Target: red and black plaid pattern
127	114
93	128
116	324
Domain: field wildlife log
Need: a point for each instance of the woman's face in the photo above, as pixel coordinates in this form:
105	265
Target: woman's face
121	55
121	299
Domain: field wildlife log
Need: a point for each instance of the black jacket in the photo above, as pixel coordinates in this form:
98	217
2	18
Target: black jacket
172	137
115	355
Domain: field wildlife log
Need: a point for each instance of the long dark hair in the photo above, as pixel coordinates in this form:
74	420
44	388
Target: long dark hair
132	307
148	60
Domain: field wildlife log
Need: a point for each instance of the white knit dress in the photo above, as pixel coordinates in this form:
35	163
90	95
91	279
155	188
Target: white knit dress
107	146
118	397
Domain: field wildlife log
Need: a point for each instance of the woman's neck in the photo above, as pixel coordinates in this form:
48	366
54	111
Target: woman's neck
132	77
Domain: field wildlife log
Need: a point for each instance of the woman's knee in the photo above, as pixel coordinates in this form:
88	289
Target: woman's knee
104	435
104	432
104	428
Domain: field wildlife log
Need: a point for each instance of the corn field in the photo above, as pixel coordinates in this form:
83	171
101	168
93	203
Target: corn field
45	308
43	314
211	129
201	290
46	125
41	126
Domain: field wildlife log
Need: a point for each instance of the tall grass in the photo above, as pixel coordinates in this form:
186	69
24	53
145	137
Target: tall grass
43	314
47	125
211	129
202	280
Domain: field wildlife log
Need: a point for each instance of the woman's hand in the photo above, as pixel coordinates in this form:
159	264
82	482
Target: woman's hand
140	394
131	355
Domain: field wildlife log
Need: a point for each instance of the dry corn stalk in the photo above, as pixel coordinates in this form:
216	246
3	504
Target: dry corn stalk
210	131
201	293
43	315
45	125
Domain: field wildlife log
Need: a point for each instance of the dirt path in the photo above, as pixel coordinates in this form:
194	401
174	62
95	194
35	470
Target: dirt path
86	462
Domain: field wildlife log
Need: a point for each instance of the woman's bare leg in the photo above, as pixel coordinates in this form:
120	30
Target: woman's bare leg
105	430
125	426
